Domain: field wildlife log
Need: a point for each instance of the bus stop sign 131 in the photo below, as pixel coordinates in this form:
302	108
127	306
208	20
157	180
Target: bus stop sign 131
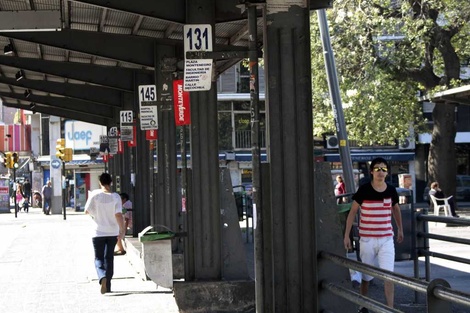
197	72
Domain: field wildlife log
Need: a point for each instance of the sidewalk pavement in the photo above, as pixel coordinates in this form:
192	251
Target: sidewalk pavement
47	266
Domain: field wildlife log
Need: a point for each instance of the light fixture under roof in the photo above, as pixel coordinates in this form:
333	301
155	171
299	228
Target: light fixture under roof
19	75
32	107
27	93
8	49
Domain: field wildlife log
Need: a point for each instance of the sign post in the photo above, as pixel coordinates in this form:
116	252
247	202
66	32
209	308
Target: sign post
127	125
197	72
148	107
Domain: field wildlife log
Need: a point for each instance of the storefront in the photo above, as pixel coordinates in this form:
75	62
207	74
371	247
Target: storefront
80	177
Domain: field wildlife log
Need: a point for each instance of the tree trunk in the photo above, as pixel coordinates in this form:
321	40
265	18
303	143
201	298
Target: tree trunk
442	159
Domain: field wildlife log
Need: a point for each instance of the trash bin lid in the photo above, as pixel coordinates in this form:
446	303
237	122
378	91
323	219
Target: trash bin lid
147	235
152	236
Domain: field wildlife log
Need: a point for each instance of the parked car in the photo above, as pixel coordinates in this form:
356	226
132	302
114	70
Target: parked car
463	189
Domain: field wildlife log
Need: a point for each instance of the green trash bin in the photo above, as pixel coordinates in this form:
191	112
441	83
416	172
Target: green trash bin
156	256
343	211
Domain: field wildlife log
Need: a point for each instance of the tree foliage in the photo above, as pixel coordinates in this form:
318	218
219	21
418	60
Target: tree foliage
386	51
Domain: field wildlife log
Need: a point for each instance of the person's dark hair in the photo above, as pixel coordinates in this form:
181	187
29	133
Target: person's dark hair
377	161
124	196
105	179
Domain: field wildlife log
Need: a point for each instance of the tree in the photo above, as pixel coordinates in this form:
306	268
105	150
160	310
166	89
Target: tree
386	51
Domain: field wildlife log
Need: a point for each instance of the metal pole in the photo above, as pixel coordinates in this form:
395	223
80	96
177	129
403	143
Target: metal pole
185	211
14	195
184	168
63	189
427	259
414	244
344	152
256	159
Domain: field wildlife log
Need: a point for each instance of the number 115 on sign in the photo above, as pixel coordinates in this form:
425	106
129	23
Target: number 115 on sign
127	116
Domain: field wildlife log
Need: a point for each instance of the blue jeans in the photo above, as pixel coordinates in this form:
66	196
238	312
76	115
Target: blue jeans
104	258
46	205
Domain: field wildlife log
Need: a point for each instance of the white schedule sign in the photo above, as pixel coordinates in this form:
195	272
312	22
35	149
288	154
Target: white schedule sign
148	107
197	72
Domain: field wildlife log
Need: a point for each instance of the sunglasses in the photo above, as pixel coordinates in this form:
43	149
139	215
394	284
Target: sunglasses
378	169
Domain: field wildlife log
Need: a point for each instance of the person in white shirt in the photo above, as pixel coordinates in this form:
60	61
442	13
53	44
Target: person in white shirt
105	208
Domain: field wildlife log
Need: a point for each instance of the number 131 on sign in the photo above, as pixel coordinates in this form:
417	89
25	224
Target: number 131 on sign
197	37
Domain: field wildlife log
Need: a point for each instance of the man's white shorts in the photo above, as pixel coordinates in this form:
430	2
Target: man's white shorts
377	252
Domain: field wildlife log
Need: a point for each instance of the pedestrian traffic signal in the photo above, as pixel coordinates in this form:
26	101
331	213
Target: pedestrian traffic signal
15	159
7	159
60	149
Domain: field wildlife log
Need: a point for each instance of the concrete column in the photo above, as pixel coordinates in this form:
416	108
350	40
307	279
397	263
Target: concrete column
206	236
143	166
292	242
165	205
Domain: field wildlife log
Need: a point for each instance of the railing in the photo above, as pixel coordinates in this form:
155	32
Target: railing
424	251
439	295
243	139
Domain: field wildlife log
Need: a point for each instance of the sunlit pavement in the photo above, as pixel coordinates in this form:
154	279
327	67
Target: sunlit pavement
46	265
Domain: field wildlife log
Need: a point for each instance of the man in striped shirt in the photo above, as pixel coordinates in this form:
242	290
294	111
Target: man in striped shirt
378	202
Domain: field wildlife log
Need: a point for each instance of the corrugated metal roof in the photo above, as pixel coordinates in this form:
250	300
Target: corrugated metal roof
105	19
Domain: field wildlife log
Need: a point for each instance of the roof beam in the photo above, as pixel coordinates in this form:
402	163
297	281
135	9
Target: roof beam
132	49
65	104
126	48
91	93
45	20
62	113
175	10
456	99
112	77
171	11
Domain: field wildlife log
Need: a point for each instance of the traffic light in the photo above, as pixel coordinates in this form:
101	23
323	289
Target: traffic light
68	154
15	158
60	149
7	159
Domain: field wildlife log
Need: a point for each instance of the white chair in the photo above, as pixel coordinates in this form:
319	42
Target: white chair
445	206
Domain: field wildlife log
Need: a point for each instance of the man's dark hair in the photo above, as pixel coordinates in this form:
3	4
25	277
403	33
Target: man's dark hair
124	196
377	161
105	179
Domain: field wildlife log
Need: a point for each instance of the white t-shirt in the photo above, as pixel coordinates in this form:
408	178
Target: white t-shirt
102	207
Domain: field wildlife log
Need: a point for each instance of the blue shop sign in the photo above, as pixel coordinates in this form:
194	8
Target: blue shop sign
365	157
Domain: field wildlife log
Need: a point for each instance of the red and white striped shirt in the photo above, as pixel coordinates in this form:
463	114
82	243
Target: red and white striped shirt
376	218
376	210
